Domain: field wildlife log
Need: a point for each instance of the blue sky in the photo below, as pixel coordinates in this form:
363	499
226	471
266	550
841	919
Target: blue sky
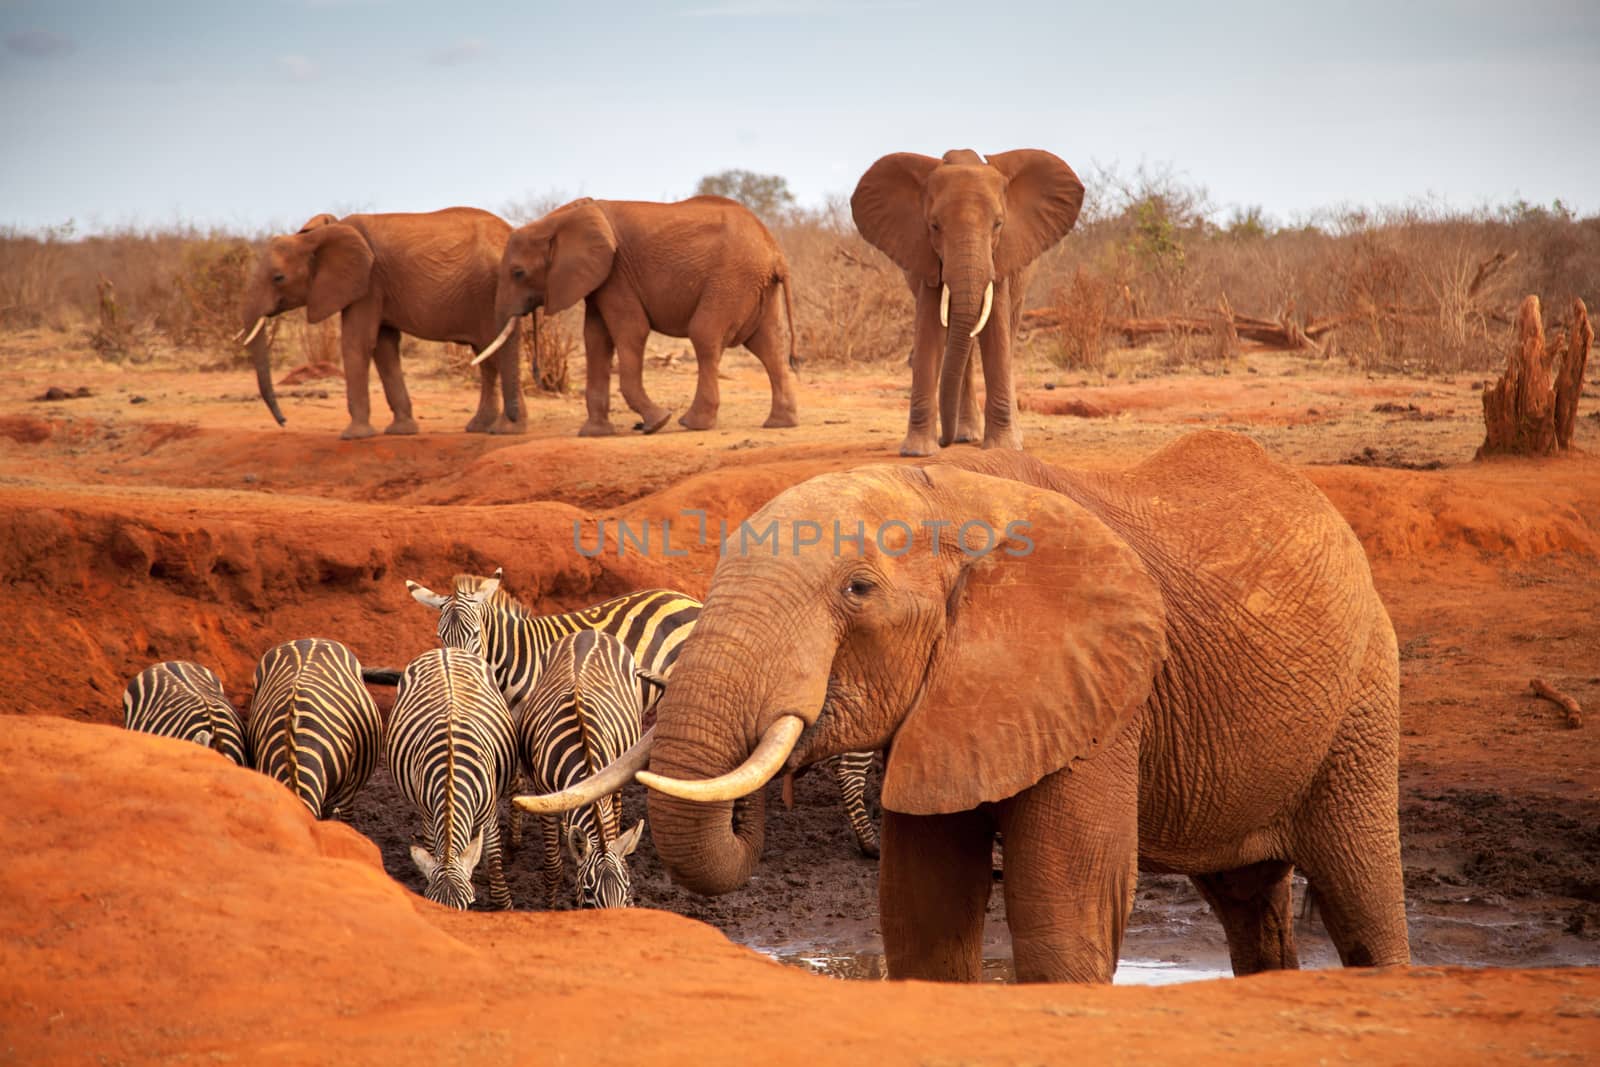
259	115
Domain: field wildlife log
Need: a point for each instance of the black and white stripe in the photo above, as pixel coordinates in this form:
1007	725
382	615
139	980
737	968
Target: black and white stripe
584	712
451	751
849	769
184	700
313	726
481	617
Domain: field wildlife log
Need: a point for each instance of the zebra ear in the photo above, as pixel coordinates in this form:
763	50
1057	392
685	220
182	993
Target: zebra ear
624	845
424	860
203	738
577	843
423	595
472	854
487	589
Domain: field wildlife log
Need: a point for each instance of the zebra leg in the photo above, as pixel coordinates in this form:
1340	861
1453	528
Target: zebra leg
550	870
499	892
850	771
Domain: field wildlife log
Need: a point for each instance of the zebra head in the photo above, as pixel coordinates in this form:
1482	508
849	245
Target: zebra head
603	880
449	882
462	614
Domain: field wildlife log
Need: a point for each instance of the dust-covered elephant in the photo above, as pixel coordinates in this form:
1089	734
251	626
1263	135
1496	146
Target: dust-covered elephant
1182	668
703	268
429	275
966	231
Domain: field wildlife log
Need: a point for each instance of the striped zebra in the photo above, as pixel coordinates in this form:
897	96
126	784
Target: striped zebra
184	700
584	712
452	752
849	769
313	726
481	617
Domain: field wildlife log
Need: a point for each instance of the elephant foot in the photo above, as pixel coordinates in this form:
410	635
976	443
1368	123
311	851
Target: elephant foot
402	426
503	425
918	444
781	421
596	428
481	422
357	430
698	420
650	425
1010	438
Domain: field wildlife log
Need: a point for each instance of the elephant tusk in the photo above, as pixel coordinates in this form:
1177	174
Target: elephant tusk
752	774
988	306
253	331
610	778
944	308
494	346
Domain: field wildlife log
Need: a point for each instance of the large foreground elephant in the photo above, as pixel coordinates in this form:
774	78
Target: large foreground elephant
703	268
429	275
966	231
1183	668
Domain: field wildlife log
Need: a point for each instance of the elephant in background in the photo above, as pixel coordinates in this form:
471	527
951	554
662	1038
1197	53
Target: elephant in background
966	231
703	268
429	275
1181	668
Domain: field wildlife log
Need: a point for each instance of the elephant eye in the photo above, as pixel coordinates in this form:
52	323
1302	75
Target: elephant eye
858	587
518	273
998	223
934	226
277	279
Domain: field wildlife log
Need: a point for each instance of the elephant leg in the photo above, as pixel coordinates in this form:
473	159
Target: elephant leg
933	887
767	345
1071	859
550	867
499	891
1255	906
508	364
922	437
597	349
702	413
630	375
1347	837
1000	404
358	335
484	417
386	355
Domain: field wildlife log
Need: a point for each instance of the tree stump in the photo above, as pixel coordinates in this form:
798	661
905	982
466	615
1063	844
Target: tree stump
1520	409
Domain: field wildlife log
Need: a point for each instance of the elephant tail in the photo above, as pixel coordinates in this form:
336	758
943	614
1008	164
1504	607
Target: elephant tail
781	275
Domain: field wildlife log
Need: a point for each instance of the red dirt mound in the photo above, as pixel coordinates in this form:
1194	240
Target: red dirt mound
163	903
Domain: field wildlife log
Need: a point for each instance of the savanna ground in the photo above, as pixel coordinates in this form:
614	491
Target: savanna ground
161	904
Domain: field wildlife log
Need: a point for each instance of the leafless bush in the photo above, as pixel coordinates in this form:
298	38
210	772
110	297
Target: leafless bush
851	304
1081	330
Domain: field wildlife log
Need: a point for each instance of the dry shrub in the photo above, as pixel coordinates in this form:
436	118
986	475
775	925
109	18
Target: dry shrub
207	292
851	304
548	344
1081	332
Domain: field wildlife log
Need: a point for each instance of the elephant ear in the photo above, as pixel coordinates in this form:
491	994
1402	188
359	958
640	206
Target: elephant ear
582	250
316	222
887	207
1043	198
1051	645
341	269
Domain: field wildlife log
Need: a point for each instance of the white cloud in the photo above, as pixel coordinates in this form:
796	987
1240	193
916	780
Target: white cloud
300	68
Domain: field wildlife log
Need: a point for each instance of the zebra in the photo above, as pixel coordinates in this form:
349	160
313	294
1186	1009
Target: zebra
313	726
584	712
480	616
452	752
184	700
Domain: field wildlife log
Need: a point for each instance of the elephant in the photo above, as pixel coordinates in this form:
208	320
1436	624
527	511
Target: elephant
703	268
429	275
966	231
1181	668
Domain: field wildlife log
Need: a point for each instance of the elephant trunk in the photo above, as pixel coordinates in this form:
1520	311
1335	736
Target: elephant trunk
260	350
708	848
968	281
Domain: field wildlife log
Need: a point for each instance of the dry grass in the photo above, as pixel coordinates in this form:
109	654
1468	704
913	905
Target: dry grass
1407	286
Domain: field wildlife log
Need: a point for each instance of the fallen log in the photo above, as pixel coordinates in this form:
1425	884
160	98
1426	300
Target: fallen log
1544	689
